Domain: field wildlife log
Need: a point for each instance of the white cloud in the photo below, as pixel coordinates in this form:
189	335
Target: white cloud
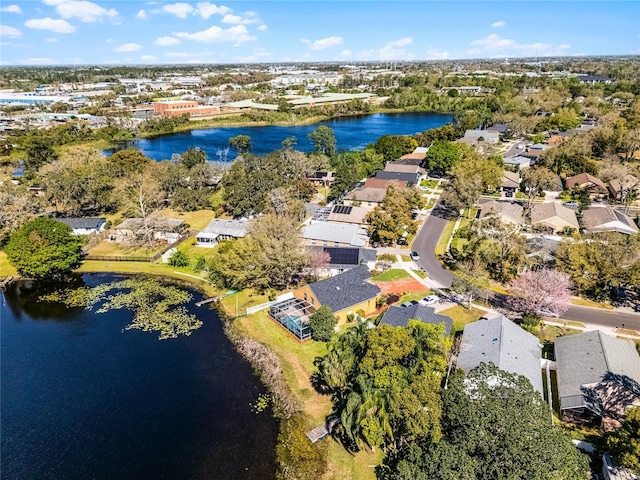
495	45
7	31
326	43
346	55
11	9
142	15
180	10
246	19
51	40
85	11
38	61
305	40
128	47
259	54
215	34
148	58
435	54
206	9
499	24
262	28
393	50
59	26
179	55
166	41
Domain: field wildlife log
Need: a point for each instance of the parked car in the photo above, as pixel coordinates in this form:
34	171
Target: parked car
415	256
570	204
407	304
429	300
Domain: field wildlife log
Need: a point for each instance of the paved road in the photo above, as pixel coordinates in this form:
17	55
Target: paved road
606	318
425	244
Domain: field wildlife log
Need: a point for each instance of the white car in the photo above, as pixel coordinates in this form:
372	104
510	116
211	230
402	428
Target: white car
429	300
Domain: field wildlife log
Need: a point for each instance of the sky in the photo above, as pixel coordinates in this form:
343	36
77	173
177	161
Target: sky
67	32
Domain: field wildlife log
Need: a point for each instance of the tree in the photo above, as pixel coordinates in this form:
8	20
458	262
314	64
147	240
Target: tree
128	161
179	259
494	425
392	147
17	205
242	144
346	176
322	323
387	223
535	180
194	156
44	248
443	155
541	291
470	178
140	196
324	141
624	443
38	151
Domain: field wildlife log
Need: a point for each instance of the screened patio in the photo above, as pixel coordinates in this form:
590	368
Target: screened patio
293	314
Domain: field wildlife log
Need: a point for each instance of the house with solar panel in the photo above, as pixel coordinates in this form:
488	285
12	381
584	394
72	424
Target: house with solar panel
334	234
219	229
598	374
342	259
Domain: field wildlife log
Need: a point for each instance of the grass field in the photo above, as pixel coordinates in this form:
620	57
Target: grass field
6	269
108	249
441	247
590	303
461	316
392	275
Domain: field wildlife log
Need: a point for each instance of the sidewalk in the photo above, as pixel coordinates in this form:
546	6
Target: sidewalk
589	327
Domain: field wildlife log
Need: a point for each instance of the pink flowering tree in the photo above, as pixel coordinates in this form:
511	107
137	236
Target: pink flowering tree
541	291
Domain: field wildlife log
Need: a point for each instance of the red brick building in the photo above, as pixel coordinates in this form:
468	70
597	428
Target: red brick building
175	108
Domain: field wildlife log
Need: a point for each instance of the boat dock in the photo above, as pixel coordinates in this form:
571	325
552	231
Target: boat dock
322	431
215	299
5	282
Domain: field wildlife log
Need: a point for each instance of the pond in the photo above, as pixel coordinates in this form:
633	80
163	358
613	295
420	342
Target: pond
83	398
352	133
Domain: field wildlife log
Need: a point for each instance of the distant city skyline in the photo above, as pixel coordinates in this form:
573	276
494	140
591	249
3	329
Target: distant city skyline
67	32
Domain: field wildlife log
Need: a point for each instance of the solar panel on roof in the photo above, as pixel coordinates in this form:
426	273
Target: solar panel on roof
343	256
342	209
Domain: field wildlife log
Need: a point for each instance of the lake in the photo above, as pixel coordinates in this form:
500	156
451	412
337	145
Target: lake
352	133
83	399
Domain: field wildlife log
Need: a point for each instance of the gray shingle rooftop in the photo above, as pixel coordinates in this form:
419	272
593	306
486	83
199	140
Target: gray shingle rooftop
83	222
585	358
503	343
231	228
345	290
348	233
400	316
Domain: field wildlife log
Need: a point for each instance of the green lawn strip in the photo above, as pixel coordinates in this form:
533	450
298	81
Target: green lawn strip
114	249
548	333
6	269
430	204
419	295
590	303
392	275
461	316
420	273
441	247
406	258
343	464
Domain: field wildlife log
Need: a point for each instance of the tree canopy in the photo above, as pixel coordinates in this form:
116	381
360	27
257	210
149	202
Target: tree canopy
322	322
494	425
44	247
324	140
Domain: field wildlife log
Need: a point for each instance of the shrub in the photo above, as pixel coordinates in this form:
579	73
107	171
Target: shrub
322	323
179	259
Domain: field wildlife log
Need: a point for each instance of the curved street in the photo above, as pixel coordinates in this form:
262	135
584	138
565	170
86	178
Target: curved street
425	244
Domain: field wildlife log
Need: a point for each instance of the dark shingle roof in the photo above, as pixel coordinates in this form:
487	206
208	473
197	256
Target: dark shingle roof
410	178
400	316
348	257
83	222
345	290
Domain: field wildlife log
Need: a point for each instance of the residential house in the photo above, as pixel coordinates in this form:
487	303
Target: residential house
532	154
403	168
159	228
366	197
410	178
606	219
84	225
503	343
219	229
507	212
415	158
399	316
482	135
518	161
553	216
594	79
348	214
597	374
619	188
382	183
594	185
333	234
345	293
322	178
510	183
499	128
342	259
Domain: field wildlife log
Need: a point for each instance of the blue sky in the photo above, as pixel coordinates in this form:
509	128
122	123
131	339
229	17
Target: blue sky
67	32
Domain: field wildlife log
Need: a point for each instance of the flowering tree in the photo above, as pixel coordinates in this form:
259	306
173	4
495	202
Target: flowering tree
542	291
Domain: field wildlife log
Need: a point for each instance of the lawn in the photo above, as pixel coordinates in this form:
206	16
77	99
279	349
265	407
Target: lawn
430	204
110	249
461	316
406	258
419	295
430	184
197	220
441	248
421	274
549	333
6	269
392	275
590	303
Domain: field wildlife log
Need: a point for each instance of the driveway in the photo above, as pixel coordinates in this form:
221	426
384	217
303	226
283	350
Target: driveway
425	244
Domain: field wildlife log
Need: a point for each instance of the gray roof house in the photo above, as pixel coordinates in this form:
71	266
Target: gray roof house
219	229
84	225
506	212
410	178
503	343
598	373
346	258
400	316
487	135
553	216
605	219
334	234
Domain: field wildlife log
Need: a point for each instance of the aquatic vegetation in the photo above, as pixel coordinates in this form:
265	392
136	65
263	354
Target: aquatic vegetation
156	306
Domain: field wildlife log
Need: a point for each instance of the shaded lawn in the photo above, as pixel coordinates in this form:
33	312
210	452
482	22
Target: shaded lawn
197	220
461	316
6	269
590	303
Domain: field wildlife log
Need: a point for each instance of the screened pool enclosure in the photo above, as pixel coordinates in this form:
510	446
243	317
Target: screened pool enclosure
293	314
